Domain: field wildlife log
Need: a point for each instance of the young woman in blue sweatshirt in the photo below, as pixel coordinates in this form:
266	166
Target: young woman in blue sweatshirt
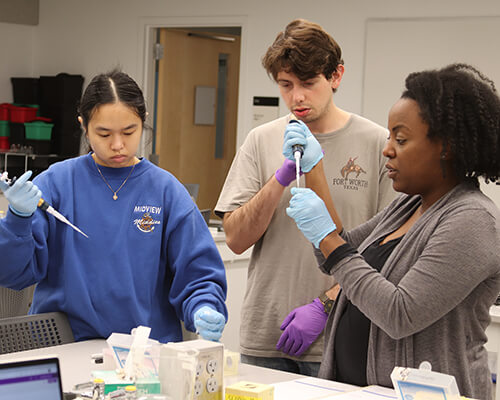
149	258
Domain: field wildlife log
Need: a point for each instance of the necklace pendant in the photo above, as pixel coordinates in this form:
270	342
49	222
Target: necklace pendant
115	196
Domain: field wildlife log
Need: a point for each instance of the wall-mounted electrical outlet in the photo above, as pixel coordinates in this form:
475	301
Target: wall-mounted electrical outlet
212	385
198	388
212	366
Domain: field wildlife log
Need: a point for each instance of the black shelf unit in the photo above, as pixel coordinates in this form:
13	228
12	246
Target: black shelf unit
16	163
58	98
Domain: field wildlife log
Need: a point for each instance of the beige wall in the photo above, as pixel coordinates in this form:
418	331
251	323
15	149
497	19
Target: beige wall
16	50
93	35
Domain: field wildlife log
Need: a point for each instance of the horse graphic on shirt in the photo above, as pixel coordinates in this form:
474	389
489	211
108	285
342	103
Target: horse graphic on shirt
351	166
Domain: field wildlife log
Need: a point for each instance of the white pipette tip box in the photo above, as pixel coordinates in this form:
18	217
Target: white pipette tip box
424	384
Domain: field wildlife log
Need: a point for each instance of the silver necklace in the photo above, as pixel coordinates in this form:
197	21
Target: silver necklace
115	196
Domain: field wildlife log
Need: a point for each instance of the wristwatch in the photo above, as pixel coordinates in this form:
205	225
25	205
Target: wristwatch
327	302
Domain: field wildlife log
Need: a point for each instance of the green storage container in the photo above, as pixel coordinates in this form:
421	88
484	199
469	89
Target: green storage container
38	130
4	128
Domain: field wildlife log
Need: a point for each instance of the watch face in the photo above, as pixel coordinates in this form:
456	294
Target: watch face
328	305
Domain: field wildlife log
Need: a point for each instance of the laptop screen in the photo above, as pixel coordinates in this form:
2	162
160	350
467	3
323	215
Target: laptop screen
38	379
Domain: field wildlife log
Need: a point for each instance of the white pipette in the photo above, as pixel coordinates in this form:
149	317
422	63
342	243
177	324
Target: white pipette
42	204
48	208
298	150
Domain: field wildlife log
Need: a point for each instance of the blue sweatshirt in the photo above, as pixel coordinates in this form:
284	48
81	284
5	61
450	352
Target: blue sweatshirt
149	259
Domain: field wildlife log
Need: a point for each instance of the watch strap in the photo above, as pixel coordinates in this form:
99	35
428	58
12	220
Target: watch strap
327	302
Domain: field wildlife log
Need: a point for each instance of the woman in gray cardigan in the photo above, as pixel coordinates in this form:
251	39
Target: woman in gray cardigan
418	279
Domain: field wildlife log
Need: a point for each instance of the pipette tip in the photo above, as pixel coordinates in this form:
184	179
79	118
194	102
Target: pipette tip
82	233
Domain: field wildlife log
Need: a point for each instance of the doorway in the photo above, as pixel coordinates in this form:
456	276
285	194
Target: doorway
198	75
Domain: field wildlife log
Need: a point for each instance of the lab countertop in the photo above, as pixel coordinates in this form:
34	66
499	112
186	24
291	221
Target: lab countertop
76	364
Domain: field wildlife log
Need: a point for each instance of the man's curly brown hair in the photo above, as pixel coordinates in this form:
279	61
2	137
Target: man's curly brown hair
304	49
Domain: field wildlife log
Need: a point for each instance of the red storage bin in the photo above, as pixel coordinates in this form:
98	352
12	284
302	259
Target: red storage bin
4	143
22	114
4	111
43	119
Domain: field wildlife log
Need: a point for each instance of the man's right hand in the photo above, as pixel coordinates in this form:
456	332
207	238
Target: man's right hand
23	195
299	133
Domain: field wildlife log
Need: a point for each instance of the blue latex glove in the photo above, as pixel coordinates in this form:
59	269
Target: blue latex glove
302	327
23	195
299	133
209	323
286	174
310	215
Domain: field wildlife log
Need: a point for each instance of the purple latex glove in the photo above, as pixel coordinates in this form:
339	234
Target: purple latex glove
302	327
286	174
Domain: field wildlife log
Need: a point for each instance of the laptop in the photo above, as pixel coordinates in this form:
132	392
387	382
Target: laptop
31	379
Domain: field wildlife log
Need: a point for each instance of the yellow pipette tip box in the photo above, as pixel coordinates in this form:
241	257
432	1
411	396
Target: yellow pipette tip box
249	391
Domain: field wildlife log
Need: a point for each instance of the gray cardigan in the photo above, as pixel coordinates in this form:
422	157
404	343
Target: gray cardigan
431	300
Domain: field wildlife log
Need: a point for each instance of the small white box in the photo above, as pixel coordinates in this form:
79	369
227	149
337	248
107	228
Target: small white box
424	384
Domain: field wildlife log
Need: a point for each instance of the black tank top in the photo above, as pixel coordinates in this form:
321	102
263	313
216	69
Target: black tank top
351	338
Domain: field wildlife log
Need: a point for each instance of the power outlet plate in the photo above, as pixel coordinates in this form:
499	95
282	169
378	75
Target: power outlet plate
209	372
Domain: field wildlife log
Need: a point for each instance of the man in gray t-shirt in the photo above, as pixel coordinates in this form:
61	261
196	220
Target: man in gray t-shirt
283	276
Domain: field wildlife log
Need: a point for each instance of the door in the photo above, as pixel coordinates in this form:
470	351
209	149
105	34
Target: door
193	59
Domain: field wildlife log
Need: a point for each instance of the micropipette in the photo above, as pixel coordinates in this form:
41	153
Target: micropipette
48	208
298	151
42	204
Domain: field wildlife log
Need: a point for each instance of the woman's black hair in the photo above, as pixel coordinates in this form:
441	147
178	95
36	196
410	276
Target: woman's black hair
112	87
462	108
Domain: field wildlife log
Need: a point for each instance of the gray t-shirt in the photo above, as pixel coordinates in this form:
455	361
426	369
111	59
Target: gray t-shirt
283	272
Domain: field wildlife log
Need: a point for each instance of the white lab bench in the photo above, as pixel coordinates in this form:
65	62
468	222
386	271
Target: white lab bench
76	364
